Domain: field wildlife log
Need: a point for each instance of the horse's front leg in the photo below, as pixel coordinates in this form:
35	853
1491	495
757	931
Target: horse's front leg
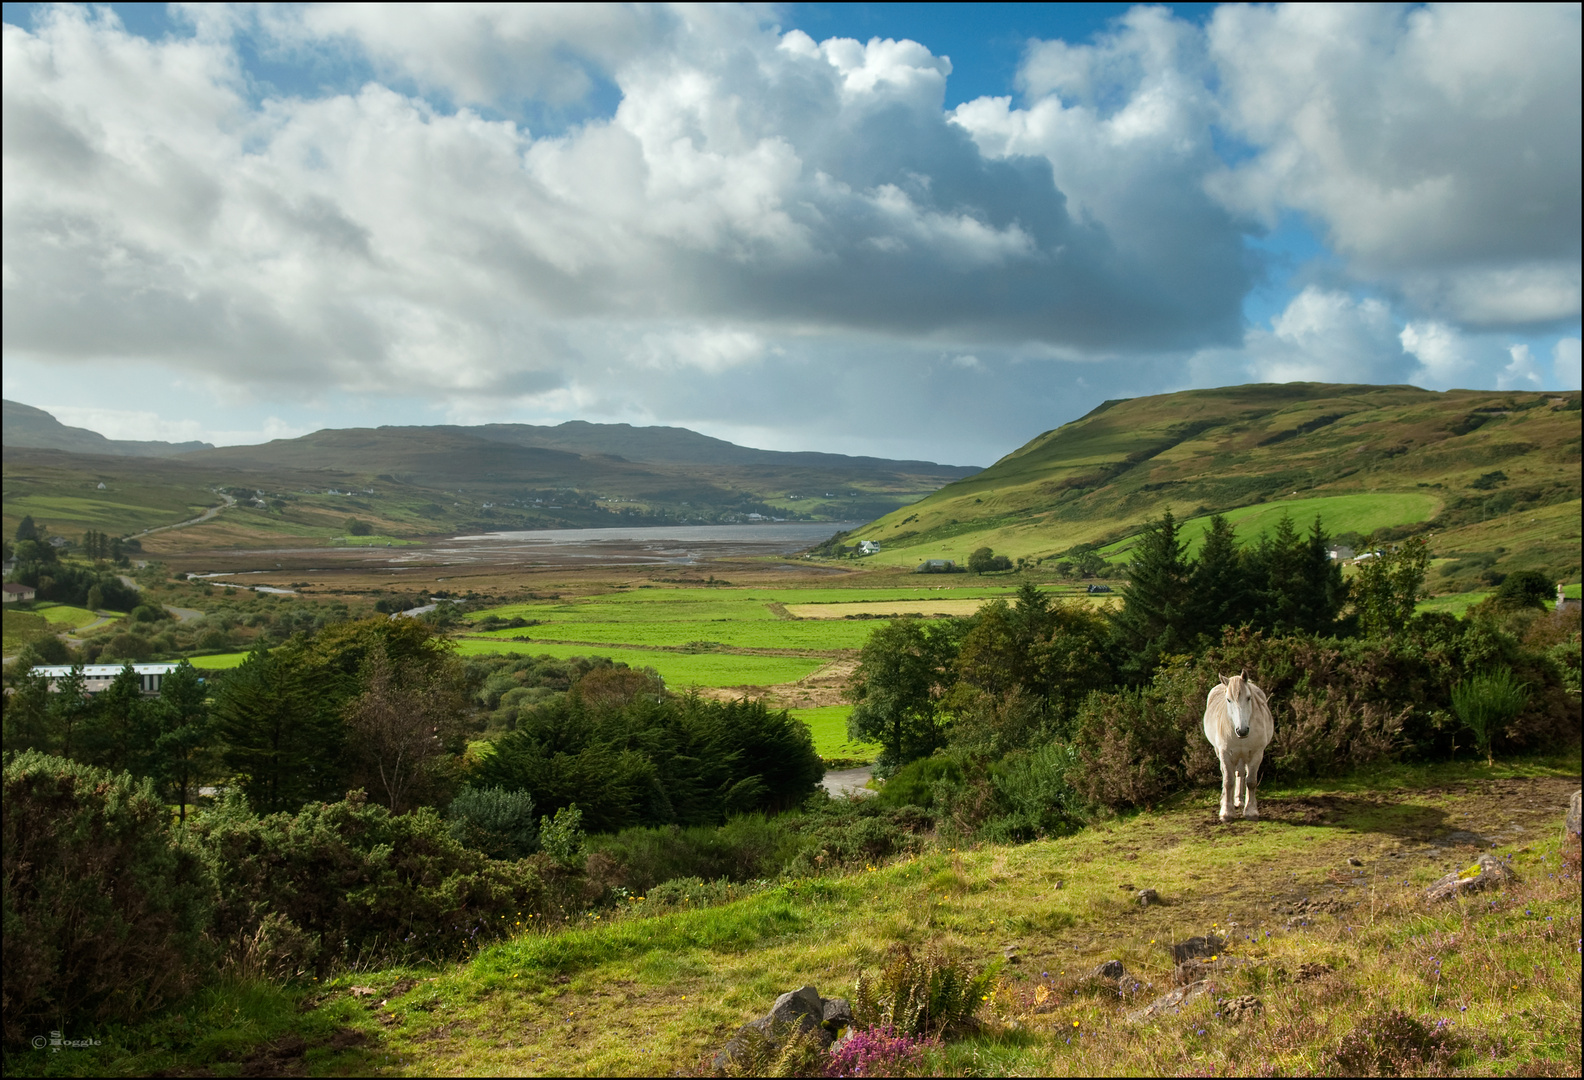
1228	781
1239	789
1252	769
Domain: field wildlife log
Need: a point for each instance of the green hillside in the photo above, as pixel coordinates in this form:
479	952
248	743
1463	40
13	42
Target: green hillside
1471	467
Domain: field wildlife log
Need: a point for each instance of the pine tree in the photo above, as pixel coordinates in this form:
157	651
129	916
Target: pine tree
1152	622
183	749
279	739
27	715
1219	584
70	711
120	732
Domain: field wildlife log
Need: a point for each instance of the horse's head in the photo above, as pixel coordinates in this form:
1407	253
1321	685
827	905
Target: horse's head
1239	703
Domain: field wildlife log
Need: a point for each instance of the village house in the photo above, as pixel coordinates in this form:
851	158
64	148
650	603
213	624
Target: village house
98	677
19	594
867	547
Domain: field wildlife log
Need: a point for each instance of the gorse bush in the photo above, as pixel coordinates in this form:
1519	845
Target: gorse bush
348	881
104	912
921	995
747	847
498	822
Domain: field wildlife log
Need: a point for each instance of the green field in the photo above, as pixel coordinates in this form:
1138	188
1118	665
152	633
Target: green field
1453	603
679	670
828	725
748	633
64	616
22	627
218	661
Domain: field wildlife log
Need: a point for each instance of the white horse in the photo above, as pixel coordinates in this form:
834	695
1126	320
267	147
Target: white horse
1237	721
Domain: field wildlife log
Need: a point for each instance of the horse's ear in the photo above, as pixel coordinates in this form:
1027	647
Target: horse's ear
1243	674
1223	679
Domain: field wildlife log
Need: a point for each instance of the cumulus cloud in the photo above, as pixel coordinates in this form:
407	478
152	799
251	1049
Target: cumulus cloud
766	218
1566	362
1437	145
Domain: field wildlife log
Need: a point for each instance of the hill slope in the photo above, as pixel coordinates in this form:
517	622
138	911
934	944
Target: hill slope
1367	458
26	426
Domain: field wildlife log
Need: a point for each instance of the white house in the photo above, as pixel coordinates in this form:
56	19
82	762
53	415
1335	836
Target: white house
19	594
98	677
867	547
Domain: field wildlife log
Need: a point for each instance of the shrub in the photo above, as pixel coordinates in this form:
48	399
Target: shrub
1392	1043
104	914
1129	748
348	880
921	995
1033	796
747	847
1486	702
562	836
842	833
877	1051
498	822
915	783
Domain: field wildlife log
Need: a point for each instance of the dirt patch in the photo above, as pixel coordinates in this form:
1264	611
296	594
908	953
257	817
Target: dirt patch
283	1057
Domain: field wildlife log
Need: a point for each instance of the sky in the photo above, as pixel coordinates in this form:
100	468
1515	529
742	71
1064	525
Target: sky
910	230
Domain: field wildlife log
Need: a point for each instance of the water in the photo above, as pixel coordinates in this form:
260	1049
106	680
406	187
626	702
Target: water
678	544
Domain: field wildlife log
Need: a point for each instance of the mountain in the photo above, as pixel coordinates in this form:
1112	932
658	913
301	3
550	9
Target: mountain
424	481
25	426
1495	475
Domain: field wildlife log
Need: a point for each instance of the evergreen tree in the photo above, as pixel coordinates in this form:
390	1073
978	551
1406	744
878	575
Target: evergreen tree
1278	569
1153	620
183	749
120	732
1219	584
1326	591
279	738
26	530
27	715
70	711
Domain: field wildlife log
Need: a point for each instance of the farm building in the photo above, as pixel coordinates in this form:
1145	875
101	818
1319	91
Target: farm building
936	566
98	677
867	547
19	594
1564	601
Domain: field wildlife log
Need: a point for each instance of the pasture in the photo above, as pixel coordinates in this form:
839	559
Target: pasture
680	670
1320	907
65	616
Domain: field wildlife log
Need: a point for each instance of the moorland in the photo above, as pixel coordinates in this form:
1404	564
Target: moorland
609	848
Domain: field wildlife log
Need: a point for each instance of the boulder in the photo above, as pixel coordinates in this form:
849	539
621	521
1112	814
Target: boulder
1574	806
1485	872
1195	947
1176	999
837	1015
793	1012
1111	970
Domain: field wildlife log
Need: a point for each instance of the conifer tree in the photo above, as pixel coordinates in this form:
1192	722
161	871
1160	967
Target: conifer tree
120	733
1155	602
70	710
281	742
27	715
184	745
1219	584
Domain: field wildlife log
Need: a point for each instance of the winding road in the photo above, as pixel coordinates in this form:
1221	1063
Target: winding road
207	515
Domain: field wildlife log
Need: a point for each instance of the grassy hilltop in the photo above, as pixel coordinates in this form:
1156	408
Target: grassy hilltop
1495	475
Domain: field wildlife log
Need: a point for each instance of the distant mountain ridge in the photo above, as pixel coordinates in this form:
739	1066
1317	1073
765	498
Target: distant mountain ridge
26	426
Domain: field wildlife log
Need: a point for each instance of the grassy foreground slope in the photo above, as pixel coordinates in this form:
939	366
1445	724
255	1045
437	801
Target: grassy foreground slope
1327	945
1368	458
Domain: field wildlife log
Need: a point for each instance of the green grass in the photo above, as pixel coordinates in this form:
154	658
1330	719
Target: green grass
21	628
64	615
747	634
1453	603
679	670
635	993
828	725
218	661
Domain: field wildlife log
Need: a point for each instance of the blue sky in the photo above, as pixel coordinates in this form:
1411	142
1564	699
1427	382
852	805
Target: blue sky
921	230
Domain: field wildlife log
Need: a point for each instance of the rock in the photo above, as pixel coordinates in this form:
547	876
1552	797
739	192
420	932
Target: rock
1241	1008
1011	955
1195	947
1111	969
1174	1000
1313	970
837	1014
1146	897
1197	968
1574	808
1354	860
793	1012
1485	872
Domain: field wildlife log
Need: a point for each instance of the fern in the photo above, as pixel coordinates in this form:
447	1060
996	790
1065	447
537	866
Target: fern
922	995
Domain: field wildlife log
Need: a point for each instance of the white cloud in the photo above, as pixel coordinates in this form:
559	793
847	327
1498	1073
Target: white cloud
1438	145
1566	362
1444	354
1521	373
1321	336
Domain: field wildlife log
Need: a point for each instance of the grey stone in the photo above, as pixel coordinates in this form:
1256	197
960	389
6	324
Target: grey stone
793	1012
1111	969
1176	999
1574	808
837	1014
1196	947
1011	955
1146	897
1485	872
